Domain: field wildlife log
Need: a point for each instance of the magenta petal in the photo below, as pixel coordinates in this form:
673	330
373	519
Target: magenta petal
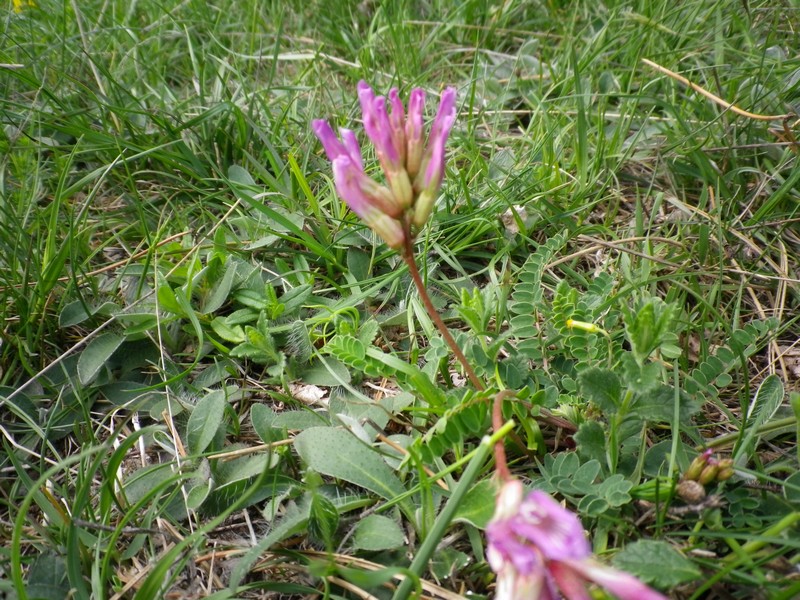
333	147
623	585
376	124
351	146
506	545
346	175
415	143
556	531
397	121
440	130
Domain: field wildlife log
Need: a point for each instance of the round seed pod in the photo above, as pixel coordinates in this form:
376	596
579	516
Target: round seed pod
691	492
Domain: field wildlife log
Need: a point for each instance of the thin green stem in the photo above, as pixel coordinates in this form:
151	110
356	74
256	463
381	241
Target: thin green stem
439	528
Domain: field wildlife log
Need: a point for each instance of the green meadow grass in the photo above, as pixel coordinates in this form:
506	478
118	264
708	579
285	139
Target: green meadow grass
192	320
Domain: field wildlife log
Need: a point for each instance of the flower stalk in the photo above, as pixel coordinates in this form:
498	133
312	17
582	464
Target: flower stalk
536	547
413	171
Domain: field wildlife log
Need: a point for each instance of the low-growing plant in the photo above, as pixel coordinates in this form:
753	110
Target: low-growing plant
225	373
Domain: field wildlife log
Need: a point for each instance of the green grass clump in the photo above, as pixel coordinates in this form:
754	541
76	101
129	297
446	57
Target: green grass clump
214	379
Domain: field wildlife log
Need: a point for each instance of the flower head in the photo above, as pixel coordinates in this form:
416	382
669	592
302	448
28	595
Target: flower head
537	548
413	170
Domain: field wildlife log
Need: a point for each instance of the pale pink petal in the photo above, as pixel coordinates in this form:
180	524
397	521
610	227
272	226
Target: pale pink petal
351	184
362	194
569	583
623	585
509	499
513	586
376	124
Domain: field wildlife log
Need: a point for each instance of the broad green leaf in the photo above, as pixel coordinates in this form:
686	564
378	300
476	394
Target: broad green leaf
657	405
294	520
227	332
77	312
205	420
329	372
447	562
298	420
96	354
199	486
477	507
337	453
167	300
262	418
135	323
639	378
602	387
47	578
377	532
615	490
358	263
221	290
791	488
591	441
656	563
592	505
241	477
585	476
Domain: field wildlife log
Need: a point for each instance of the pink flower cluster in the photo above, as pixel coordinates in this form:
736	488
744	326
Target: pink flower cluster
413	168
537	548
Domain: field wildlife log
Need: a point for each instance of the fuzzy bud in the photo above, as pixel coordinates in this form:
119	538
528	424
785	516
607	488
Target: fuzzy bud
691	492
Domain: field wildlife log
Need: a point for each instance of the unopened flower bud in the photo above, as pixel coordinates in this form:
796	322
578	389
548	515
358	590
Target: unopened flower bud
709	474
725	469
695	468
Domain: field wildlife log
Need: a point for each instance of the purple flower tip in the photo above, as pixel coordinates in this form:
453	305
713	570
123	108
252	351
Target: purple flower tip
537	544
413	168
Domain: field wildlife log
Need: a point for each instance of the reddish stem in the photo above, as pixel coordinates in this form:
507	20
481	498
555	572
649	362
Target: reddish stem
501	464
408	256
